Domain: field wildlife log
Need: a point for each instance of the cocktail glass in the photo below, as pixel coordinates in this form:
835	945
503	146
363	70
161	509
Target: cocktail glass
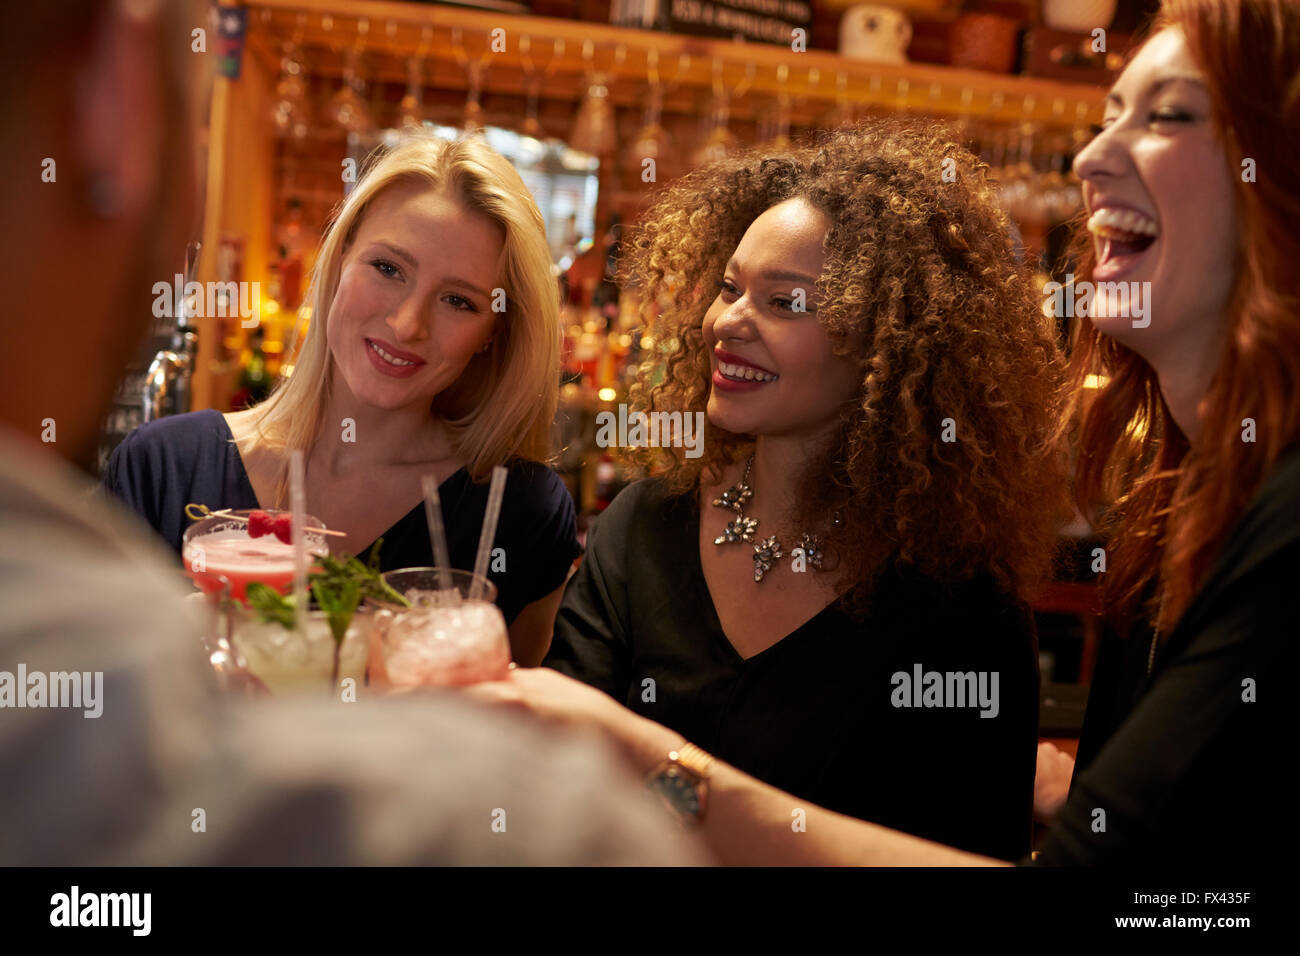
288	660
212	612
219	546
449	637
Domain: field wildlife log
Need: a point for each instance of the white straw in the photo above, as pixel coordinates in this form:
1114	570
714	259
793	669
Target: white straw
298	512
489	532
433	514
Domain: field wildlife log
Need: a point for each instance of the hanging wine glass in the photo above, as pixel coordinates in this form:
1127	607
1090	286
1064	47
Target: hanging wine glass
652	141
472	119
774	127
991	140
411	108
348	106
844	112
532	125
1022	199
289	112
902	89
1028	131
1055	183
965	134
594	129
719	141
1078	140
1014	189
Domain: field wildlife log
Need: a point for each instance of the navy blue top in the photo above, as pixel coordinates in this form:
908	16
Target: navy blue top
162	466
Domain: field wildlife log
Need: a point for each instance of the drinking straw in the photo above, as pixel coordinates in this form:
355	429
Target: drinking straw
433	514
489	532
298	516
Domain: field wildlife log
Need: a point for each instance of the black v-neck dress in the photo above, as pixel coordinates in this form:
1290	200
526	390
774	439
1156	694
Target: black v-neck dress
814	714
162	466
1189	766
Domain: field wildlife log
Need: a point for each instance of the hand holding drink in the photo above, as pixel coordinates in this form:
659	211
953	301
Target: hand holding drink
273	634
418	626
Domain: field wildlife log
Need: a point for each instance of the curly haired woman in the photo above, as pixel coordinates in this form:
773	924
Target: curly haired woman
876	496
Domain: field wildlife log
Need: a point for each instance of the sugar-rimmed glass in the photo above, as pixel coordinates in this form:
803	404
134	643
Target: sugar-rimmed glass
219	546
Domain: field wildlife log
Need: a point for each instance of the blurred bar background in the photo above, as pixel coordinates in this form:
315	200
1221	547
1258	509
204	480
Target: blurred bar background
579	94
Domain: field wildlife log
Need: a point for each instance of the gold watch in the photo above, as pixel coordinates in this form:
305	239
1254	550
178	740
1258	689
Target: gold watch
682	782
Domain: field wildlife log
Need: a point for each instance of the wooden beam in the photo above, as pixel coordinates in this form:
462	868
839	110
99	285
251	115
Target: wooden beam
391	32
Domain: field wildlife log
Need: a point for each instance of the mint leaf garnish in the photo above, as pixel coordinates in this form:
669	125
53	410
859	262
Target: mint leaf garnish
270	604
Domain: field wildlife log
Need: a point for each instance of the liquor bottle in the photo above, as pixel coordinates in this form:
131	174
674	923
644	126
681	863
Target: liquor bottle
289	267
605	295
605	304
254	380
272	322
606	481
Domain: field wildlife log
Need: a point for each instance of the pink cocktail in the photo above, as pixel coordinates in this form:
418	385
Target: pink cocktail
449	637
220	547
448	647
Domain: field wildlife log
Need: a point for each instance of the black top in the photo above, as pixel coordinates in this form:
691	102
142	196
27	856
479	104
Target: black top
812	714
1187	770
162	466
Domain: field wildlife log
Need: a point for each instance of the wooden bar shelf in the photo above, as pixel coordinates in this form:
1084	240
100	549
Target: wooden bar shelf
252	173
389	33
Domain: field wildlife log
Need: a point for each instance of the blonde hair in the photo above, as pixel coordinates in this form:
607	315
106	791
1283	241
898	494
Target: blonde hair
504	402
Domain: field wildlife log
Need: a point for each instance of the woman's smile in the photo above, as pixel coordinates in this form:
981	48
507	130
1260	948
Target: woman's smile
1122	236
390	360
418	269
732	373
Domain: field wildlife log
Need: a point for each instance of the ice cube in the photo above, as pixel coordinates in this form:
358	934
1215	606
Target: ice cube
448	645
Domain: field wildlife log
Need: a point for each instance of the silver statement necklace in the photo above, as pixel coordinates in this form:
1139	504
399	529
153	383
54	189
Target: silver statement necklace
744	529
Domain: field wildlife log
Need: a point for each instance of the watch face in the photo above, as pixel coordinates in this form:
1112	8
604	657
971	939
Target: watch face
679	789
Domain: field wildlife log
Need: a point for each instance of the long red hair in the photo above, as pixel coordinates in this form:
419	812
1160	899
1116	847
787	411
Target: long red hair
1174	504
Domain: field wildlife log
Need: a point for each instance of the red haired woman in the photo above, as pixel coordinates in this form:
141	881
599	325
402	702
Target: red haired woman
1191	188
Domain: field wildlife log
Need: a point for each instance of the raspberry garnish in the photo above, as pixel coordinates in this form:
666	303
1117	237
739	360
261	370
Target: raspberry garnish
260	523
283	528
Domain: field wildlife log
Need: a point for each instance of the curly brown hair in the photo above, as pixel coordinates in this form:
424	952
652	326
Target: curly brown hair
922	286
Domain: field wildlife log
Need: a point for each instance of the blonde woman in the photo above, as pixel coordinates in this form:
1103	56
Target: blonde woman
433	349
